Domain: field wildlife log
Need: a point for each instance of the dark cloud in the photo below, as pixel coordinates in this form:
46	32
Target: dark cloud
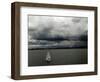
49	30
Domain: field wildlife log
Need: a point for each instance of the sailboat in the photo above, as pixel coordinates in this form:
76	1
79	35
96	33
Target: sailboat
48	57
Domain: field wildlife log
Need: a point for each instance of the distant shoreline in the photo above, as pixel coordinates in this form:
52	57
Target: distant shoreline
58	48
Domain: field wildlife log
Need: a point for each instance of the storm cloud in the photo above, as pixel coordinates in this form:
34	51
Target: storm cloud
45	30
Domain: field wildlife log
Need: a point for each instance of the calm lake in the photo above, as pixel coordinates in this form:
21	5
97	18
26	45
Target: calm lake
58	57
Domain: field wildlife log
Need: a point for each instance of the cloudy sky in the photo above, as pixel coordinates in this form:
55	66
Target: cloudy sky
57	28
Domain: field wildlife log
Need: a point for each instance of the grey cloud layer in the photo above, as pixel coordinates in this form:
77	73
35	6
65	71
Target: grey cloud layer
48	26
44	29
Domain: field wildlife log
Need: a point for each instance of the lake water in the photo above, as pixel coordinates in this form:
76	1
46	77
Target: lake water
58	57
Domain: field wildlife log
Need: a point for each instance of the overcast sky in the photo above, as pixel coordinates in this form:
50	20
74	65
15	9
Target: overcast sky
53	26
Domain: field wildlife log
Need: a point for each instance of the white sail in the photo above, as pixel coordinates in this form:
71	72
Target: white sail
48	57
